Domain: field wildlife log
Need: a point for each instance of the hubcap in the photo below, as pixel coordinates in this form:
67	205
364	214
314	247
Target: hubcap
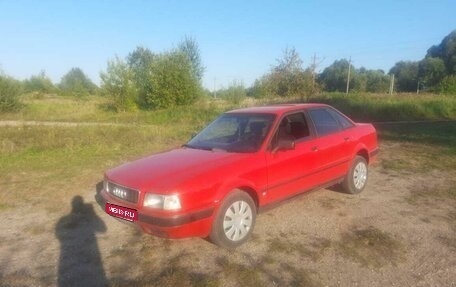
360	175
237	221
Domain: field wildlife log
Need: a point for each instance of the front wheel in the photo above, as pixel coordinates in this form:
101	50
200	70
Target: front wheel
356	178
234	220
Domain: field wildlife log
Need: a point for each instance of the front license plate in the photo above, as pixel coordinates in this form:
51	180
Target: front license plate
121	212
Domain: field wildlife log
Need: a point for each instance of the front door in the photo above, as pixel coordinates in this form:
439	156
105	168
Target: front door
288	169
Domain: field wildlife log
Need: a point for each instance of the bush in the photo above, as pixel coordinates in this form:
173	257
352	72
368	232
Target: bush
447	86
235	93
118	84
172	82
76	83
10	90
40	84
151	81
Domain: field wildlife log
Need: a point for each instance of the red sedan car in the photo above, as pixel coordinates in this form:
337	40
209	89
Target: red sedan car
247	159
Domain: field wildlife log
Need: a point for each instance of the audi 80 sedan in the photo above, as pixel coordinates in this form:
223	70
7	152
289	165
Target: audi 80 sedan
247	159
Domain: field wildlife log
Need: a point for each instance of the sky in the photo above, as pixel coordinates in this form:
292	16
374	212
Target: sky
239	40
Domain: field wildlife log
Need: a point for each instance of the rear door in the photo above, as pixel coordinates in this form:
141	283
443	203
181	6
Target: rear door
332	154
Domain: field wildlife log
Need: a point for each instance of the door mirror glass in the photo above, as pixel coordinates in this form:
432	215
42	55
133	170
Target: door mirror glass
285	144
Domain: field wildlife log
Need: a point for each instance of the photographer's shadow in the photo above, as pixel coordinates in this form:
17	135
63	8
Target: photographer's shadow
80	261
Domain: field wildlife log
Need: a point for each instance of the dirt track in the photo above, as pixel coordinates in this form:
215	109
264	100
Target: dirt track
401	231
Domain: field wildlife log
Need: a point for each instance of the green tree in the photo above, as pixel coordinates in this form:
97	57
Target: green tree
431	71
118	83
39	83
190	48
287	79
334	77
140	63
10	90
258	89
377	81
172	81
76	83
406	76
372	81
152	81
446	51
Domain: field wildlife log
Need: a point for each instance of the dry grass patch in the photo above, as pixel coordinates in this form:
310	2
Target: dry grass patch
424	193
314	250
371	247
330	203
450	239
243	275
300	277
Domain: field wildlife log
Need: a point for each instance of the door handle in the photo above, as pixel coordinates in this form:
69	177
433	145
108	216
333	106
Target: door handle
314	148
346	138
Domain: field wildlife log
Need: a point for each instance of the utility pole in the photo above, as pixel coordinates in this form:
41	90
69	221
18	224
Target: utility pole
215	91
391	90
348	77
313	68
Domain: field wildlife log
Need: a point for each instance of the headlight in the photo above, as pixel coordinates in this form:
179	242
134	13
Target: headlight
166	202
105	185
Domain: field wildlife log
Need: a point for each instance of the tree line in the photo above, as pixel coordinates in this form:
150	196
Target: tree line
435	73
149	80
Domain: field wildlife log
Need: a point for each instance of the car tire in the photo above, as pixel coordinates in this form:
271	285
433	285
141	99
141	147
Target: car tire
234	220
356	179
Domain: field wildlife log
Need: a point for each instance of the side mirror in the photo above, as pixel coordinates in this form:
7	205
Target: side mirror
285	144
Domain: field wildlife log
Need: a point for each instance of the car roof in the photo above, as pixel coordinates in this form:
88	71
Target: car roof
277	109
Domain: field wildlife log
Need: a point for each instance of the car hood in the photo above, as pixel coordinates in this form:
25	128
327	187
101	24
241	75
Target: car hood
164	171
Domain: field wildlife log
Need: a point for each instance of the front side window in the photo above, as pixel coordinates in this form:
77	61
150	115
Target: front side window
234	133
291	127
324	122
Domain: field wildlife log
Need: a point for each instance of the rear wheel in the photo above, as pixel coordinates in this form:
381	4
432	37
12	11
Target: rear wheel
234	220
356	178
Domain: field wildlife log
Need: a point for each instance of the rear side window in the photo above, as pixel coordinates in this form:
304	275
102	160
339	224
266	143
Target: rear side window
340	118
324	122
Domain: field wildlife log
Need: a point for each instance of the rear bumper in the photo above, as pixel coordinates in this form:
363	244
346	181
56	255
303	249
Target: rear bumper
195	224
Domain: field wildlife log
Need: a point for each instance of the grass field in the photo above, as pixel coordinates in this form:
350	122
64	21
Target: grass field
44	167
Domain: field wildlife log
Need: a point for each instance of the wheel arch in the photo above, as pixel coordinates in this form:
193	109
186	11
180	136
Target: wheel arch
364	153
361	150
252	193
244	186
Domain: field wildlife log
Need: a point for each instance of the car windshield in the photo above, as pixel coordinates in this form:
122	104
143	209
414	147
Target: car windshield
234	133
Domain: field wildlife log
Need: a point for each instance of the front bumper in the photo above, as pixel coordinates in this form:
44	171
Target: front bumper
195	224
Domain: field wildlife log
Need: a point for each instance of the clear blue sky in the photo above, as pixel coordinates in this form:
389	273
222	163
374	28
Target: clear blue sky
239	40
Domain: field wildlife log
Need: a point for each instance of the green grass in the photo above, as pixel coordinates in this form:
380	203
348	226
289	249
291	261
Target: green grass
360	107
39	161
94	109
380	108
